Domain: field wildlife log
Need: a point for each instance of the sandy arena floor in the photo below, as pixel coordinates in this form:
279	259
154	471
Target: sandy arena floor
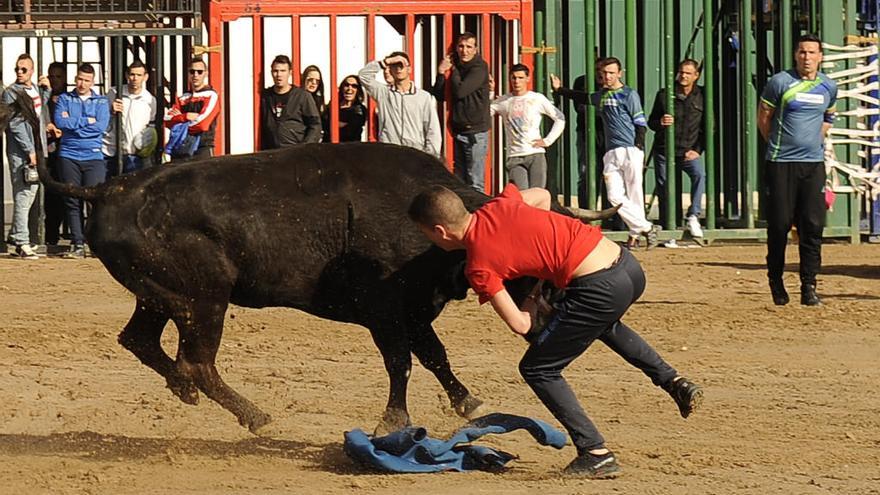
791	393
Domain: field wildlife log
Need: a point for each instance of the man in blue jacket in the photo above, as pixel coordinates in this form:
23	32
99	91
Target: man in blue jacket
83	116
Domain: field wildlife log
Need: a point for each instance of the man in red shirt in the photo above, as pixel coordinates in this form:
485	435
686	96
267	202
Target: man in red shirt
515	235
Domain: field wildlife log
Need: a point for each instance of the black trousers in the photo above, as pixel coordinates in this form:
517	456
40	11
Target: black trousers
590	309
54	203
795	195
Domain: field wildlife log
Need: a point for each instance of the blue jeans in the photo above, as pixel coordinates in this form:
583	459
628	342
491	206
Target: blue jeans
23	196
694	169
470	158
130	163
83	173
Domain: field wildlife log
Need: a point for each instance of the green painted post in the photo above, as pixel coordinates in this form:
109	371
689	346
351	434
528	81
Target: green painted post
555	153
539	74
632	61
785	31
669	73
590	81
709	109
749	108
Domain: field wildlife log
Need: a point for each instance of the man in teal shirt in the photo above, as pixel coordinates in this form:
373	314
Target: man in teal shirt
795	113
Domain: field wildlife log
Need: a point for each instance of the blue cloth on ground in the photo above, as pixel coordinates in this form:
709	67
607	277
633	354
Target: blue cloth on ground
411	450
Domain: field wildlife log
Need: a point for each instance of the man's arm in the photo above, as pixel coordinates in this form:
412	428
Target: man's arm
311	119
537	197
765	113
433	136
657	111
519	321
367	76
21	129
209	112
550	110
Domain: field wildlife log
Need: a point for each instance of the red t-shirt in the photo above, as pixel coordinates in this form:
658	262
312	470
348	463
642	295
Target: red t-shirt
508	239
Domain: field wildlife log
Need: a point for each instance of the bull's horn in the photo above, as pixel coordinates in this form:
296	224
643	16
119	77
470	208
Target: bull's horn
591	215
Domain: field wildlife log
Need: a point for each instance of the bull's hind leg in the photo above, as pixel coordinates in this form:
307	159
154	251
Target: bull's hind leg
398	363
200	332
432	354
141	336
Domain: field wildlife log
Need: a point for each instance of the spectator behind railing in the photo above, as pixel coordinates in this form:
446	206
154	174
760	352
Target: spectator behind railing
313	82
352	112
198	109
53	202
287	113
138	111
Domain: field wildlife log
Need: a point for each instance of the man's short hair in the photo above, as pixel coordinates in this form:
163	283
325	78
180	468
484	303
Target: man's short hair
282	60
198	60
519	68
605	62
24	56
691	62
402	54
437	205
809	38
467	35
58	66
86	69
137	64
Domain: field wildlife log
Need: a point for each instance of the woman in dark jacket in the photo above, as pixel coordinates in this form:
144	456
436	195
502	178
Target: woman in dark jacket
313	82
352	112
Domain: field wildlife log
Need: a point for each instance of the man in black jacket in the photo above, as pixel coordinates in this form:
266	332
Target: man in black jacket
689	140
470	122
288	114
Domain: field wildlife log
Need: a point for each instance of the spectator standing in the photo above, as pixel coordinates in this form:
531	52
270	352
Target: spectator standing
522	111
313	83
689	141
137	109
624	122
21	152
54	203
352	112
198	109
288	114
794	115
83	117
407	115
470	120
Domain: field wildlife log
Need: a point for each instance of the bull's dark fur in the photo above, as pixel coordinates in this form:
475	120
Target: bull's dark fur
320	228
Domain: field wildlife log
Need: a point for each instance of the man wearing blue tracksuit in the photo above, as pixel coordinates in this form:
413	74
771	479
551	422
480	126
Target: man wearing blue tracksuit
83	116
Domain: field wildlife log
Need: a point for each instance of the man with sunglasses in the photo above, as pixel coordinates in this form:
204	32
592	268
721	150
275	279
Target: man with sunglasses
288	114
407	115
21	152
198	108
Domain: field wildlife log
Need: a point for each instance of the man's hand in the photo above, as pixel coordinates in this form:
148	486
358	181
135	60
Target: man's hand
117	106
43	81
191	116
445	65
691	155
555	83
174	112
491	84
51	130
539	143
397	59
667	120
33	157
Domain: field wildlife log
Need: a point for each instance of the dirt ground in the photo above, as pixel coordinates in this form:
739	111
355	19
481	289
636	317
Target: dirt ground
791	393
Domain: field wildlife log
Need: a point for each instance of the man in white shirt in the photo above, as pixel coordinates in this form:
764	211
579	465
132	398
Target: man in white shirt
137	113
522	110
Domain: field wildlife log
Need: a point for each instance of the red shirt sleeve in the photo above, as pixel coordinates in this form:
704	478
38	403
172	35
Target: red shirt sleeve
210	110
511	192
485	283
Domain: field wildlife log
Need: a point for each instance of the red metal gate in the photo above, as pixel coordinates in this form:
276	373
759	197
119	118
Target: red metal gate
499	43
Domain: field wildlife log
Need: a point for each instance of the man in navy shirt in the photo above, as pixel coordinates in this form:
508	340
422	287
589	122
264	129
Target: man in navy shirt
795	113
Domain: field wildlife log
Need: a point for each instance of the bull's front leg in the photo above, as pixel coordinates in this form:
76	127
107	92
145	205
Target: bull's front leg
432	354
398	363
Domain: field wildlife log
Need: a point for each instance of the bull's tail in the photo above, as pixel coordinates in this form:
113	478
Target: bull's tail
23	106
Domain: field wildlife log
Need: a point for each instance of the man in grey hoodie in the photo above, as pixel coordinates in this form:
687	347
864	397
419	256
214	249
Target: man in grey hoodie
21	151
407	115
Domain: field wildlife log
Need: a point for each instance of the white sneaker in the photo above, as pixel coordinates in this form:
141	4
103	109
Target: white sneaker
26	252
693	225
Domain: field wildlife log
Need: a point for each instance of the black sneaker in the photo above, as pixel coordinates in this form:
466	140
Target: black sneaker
592	466
686	394
652	238
777	290
77	252
809	296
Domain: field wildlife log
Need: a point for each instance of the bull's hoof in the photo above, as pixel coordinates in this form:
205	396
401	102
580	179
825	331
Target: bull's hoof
471	408
185	390
257	424
392	420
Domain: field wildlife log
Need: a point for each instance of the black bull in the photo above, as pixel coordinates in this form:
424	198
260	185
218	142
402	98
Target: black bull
319	228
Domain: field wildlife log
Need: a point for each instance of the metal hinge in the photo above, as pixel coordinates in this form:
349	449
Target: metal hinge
538	49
